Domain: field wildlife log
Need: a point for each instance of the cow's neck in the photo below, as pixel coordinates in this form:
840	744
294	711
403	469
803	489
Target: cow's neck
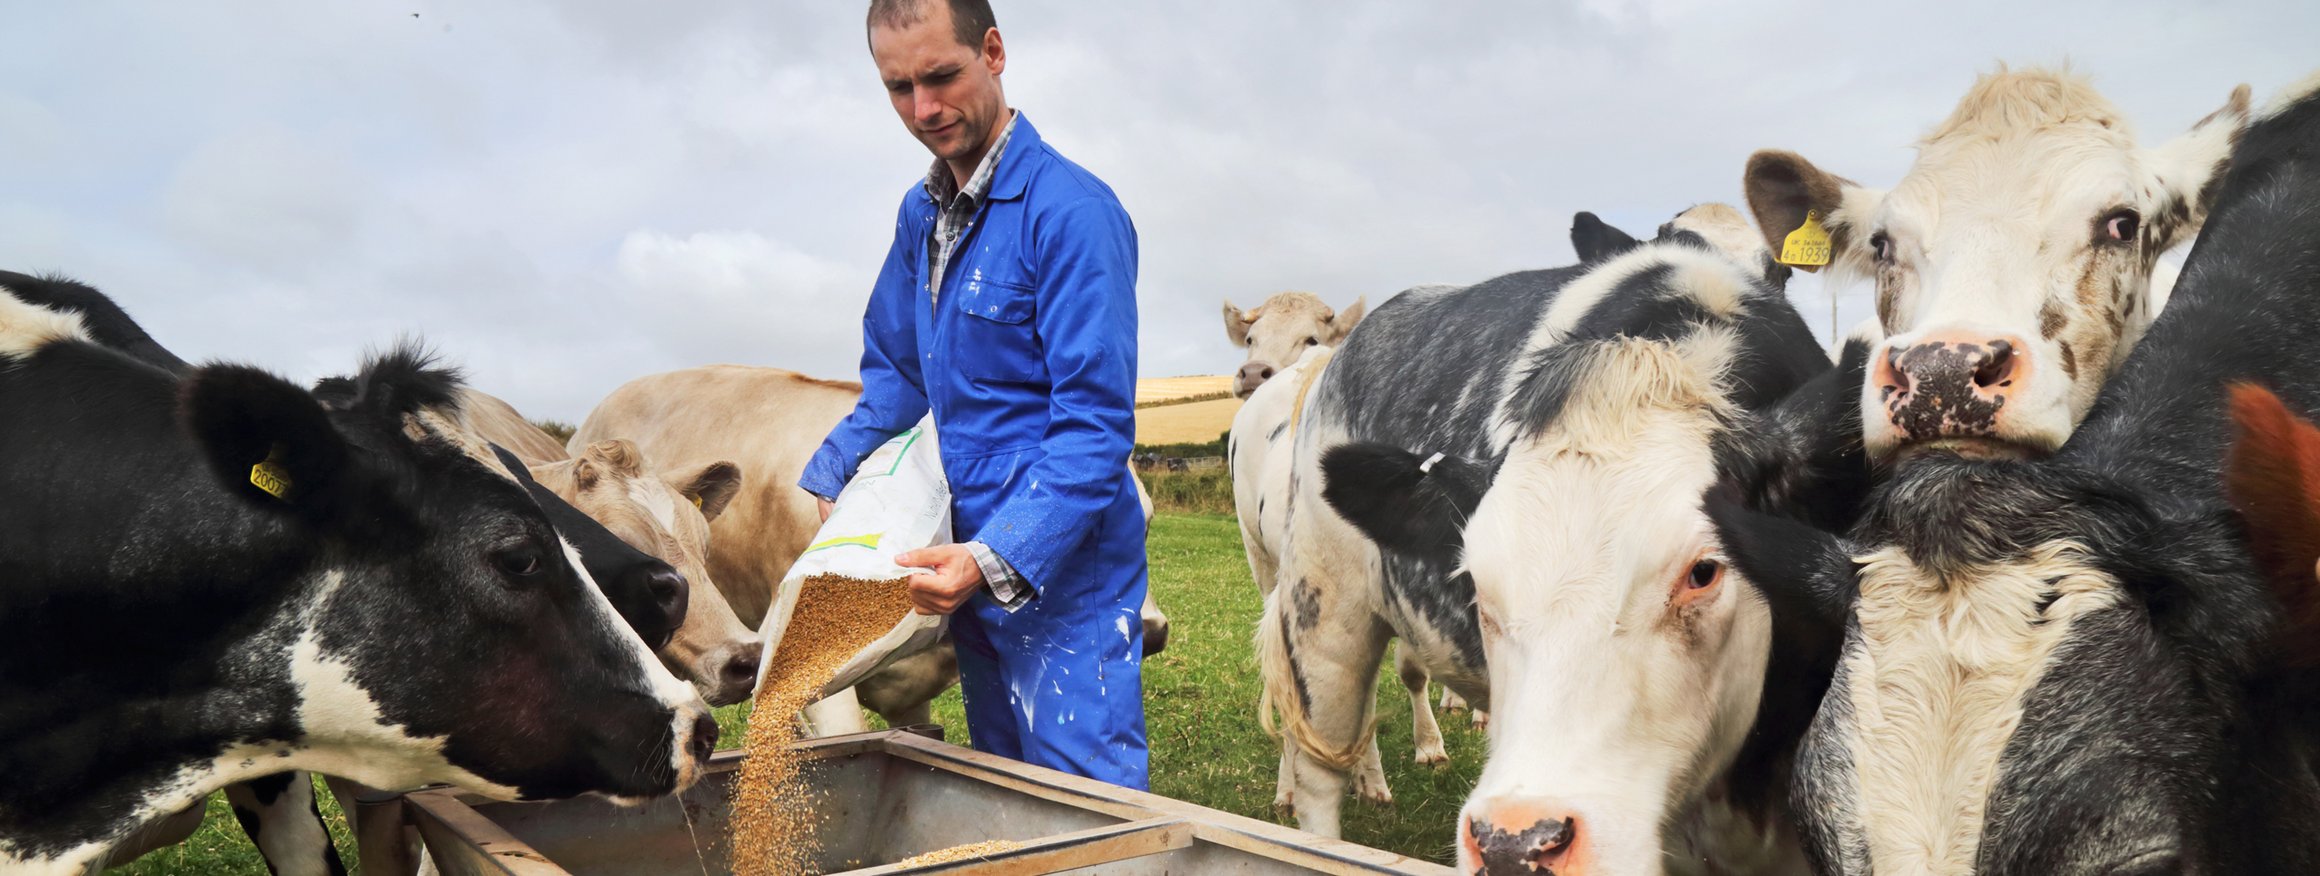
1724	835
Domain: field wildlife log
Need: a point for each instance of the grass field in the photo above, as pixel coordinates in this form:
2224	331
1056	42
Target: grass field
1201	715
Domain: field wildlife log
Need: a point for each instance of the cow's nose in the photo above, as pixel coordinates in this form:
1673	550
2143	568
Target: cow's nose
1951	384
1512	835
669	593
704	736
1253	375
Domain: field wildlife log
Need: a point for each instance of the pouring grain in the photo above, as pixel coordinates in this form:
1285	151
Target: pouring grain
774	814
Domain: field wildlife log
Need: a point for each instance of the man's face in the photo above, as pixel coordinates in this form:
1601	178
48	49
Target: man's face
946	93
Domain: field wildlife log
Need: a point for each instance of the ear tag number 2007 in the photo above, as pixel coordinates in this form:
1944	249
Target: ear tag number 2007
271	476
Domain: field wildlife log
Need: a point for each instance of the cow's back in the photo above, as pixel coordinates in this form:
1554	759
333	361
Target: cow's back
500	423
1427	368
767	420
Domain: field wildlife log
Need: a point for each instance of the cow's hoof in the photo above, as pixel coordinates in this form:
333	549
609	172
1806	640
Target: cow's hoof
1284	806
1379	796
1434	758
1481	720
1452	702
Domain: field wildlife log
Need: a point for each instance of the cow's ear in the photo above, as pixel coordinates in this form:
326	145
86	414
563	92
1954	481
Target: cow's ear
1236	323
1595	241
1405	502
2274	481
1807	574
710	486
270	442
1783	189
1342	324
2189	170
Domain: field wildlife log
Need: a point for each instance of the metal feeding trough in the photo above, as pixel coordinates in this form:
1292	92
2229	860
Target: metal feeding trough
891	795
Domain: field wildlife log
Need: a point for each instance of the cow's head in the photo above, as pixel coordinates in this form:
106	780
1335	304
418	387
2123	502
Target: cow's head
666	514
2013	262
1625	658
648	593
1280	330
2055	670
449	635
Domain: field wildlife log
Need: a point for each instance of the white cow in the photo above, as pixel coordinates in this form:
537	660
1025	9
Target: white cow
2014	262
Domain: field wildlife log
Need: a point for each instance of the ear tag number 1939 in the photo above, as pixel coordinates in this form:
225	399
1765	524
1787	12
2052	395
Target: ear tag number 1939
1808	246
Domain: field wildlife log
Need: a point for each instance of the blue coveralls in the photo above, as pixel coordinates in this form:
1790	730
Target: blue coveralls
1028	361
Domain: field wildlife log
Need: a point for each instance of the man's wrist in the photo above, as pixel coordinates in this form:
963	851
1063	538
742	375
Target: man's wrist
1006	585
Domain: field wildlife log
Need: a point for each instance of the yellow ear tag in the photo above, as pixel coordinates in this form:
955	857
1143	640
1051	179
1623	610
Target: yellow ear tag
270	476
696	501
1808	246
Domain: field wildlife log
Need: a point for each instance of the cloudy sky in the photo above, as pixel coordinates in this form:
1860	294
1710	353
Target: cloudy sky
565	194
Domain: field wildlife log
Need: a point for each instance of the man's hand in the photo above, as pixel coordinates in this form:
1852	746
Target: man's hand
826	507
955	577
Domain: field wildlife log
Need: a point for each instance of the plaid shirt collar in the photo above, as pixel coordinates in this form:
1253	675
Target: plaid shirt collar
947	193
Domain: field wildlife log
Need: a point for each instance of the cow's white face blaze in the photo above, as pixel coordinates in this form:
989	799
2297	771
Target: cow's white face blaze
1626	659
2013	263
1280	330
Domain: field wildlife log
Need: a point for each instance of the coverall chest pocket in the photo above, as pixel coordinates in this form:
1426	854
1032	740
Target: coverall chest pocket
996	339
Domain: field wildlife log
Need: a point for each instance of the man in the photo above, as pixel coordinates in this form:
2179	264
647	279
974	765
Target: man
1007	306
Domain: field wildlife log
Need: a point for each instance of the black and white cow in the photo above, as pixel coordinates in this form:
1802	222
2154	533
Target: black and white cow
394	608
280	812
2081	665
1532	495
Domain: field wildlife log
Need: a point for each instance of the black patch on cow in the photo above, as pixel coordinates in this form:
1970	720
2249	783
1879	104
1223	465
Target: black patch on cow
1307	602
1400	501
1595	241
267	789
627	576
107	323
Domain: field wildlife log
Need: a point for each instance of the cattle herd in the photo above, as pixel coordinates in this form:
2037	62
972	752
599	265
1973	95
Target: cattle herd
2022	582
2024	579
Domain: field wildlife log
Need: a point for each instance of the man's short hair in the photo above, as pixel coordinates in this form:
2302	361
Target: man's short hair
970	19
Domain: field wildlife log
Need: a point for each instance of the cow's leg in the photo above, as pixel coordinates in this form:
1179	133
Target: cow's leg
1425	735
385	841
1481	720
904	692
160	833
1451	701
280	815
1320	653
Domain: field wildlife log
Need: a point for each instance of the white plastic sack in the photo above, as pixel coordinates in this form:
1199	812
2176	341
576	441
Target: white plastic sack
898	501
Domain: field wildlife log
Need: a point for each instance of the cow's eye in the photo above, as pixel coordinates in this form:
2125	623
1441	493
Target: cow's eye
518	563
1882	244
2120	226
1312	342
1703	574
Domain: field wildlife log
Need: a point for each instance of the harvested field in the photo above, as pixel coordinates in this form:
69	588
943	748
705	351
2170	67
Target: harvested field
1160	389
1189	423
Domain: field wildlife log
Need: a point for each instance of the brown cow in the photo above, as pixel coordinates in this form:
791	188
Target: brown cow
771	420
662	511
